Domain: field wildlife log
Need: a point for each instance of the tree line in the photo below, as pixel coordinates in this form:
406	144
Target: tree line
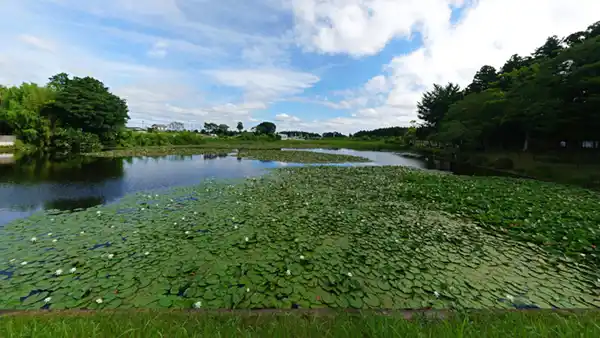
67	114
544	101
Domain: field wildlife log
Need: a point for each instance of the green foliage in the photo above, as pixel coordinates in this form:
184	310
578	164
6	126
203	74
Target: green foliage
86	104
268	128
382	132
75	141
537	102
435	103
63	115
142	139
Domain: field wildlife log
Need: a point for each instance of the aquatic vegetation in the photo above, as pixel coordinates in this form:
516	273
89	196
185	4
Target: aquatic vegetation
358	237
298	156
292	156
159	151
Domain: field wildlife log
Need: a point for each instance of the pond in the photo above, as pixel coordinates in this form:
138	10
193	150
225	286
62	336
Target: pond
28	185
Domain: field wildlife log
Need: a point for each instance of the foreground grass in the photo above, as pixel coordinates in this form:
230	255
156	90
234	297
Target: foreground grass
198	324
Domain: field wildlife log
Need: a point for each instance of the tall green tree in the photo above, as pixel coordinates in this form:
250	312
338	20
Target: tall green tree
434	104
267	128
485	78
240	126
86	104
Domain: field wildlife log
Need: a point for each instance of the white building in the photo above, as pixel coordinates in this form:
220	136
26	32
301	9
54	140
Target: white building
7	140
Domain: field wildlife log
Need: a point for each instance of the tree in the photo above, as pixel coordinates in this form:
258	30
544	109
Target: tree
86	104
435	103
549	49
267	128
211	128
240	127
222	129
474	120
484	79
176	126
333	134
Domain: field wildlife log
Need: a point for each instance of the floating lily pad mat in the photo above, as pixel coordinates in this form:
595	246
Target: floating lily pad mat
358	237
293	156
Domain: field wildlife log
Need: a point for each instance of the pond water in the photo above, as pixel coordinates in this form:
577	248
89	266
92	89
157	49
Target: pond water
31	184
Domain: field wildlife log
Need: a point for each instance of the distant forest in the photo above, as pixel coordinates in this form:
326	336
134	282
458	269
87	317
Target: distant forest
383	132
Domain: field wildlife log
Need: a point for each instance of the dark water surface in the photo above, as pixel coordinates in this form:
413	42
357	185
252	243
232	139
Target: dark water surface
31	184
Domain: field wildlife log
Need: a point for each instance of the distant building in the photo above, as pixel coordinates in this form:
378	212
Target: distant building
7	140
283	136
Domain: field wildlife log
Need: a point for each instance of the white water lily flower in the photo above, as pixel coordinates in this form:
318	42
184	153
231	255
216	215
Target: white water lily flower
156	195
143	209
198	304
110	256
288	272
73	270
98	212
235	227
174	223
99	300
51	219
13	260
349	274
147	253
183	218
246	239
112	226
436	294
582	254
83	232
33	239
47	299
247	289
510	298
49	234
195	213
301	257
187	232
59	272
23	263
55	240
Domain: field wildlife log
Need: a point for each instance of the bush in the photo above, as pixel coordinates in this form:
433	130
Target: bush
75	141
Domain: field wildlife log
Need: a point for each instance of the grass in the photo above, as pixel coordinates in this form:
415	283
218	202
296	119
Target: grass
199	324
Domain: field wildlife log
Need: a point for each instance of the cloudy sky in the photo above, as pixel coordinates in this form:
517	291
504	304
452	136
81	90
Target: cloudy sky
314	65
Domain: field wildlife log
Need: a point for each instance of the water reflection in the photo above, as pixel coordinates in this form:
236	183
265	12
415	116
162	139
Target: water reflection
29	184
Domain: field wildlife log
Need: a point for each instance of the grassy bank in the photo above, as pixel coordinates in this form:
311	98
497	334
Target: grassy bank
198	324
361	237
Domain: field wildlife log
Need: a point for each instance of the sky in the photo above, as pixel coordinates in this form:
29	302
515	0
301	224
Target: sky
311	65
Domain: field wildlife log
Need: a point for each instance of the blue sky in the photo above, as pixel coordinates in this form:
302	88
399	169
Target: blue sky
314	65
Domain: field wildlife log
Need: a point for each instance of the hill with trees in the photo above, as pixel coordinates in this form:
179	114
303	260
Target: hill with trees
547	100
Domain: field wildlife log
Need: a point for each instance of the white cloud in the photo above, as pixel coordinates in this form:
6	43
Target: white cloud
364	27
37	42
286	118
265	84
158	50
489	32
